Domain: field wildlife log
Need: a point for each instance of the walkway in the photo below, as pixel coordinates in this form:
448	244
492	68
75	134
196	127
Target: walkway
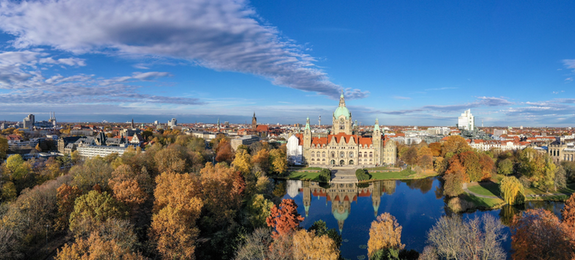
528	196
343	175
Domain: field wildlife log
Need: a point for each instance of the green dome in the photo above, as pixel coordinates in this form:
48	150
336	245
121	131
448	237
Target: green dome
340	216
339	111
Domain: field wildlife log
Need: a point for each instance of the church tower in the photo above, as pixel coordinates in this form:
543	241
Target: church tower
254	122
341	118
307	136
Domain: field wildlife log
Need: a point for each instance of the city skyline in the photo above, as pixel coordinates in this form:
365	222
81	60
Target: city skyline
406	64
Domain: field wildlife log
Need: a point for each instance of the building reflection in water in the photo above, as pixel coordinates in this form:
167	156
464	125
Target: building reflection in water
341	195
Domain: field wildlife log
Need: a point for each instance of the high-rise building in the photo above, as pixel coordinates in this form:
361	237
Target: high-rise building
28	121
173	122
466	121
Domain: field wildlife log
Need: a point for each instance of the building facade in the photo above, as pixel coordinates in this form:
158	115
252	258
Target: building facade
466	121
343	146
561	151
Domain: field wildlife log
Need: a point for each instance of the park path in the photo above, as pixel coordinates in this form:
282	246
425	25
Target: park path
496	197
343	175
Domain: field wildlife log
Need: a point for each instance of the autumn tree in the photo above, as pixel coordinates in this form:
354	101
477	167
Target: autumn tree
3	147
306	245
568	212
505	167
278	161
410	156
261	159
512	190
66	197
454	144
538	234
560	180
174	231
435	149
224	151
222	193
470	161
93	171
285	218
385	233
95	247
258	209
93	209
487	166
128	187
176	190
243	161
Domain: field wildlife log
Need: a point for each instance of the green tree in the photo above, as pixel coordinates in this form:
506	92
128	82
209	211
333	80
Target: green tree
259	209
93	209
321	229
93	171
505	167
3	147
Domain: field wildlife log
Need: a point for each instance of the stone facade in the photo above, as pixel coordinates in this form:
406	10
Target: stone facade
345	147
561	151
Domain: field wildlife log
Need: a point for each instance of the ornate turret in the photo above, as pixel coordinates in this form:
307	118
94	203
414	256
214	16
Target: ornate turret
307	135
341	118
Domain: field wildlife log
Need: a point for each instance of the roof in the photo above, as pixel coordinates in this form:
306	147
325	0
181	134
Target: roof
341	111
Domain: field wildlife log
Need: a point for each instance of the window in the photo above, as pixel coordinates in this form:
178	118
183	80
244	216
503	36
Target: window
370	155
359	154
341	154
333	155
364	154
350	154
323	155
312	154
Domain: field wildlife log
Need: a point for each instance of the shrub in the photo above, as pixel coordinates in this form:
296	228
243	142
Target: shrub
362	175
325	175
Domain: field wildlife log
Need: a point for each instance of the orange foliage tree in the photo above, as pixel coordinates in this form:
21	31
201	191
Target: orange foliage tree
224	153
385	233
65	197
222	192
568	212
538	234
454	144
285	218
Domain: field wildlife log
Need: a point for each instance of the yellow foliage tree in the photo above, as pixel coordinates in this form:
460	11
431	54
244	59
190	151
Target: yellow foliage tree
221	192
512	190
176	190
262	159
306	245
384	233
243	161
96	248
278	160
175	231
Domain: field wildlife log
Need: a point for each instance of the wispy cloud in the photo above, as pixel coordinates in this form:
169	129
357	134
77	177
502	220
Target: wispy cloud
223	35
480	102
400	97
569	63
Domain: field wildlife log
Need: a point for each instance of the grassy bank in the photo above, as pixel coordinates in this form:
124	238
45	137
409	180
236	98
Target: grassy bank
406	174
304	176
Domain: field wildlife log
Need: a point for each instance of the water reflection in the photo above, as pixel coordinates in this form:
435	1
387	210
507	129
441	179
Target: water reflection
416	204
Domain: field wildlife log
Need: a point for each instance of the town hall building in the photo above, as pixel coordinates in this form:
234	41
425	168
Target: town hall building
343	146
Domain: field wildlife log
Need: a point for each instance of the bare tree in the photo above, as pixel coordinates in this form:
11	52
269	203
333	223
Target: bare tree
451	238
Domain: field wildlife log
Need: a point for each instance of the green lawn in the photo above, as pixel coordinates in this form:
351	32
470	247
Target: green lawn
380	168
312	176
405	174
482	202
486	188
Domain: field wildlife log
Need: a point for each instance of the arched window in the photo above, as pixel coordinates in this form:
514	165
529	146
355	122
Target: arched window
364	154
323	155
350	154
359	154
333	155
341	154
312	154
350	162
370	154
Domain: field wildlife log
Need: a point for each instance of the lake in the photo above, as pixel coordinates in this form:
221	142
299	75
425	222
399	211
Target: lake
416	204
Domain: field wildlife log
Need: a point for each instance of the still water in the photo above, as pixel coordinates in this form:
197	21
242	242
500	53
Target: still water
416	204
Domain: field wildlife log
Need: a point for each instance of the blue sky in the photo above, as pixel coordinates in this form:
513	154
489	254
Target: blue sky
404	62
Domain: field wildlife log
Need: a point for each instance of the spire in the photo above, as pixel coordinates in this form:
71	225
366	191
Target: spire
341	99
376	127
307	124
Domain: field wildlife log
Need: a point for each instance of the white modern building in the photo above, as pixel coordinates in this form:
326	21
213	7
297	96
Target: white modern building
173	122
466	121
90	151
294	150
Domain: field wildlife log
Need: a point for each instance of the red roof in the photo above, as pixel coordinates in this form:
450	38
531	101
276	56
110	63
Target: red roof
262	128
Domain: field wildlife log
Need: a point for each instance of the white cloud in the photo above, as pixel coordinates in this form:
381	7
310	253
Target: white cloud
217	34
400	97
569	63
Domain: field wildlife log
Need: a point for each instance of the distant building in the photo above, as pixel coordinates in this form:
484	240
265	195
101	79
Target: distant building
466	121
499	132
172	122
28	121
254	122
244	140
561	151
90	151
